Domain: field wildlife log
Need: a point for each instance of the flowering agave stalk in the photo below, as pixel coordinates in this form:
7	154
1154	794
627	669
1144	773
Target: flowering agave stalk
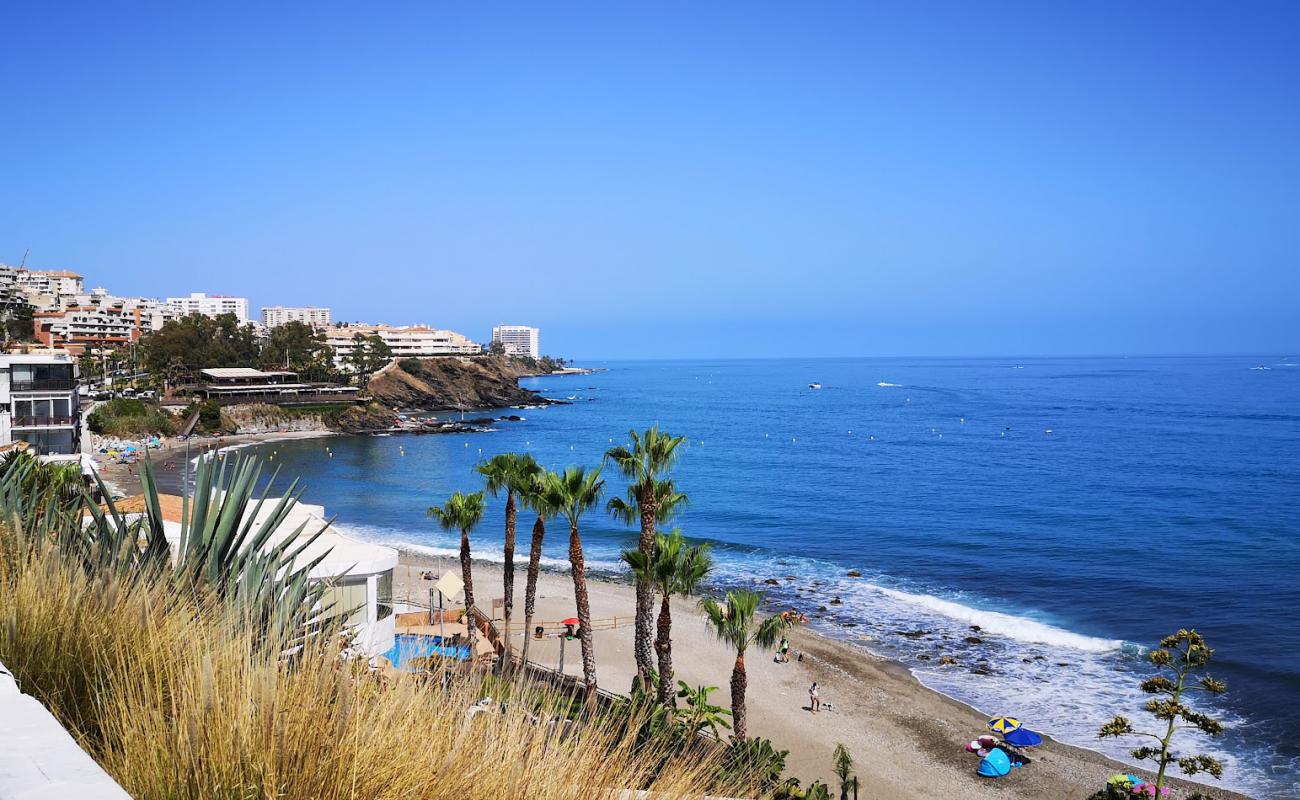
1178	660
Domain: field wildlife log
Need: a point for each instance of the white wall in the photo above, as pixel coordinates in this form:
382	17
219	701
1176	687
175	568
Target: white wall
39	760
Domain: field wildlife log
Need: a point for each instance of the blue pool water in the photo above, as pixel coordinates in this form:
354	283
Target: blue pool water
1074	509
409	646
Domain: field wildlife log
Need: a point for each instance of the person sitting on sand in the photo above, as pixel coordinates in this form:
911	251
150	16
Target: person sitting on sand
814	698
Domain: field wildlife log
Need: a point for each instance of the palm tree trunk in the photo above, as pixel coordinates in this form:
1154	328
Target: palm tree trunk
641	646
738	683
664	646
530	587
467	576
584	612
508	576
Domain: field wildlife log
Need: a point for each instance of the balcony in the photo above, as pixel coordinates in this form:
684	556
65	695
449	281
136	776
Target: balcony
43	422
43	385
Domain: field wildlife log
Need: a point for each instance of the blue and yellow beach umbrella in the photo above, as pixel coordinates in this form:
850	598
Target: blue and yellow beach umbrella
1003	725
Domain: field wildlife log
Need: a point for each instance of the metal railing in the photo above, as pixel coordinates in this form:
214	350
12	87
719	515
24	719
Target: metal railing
42	385
41	422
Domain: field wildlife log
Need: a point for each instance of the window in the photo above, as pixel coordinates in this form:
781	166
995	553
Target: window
346	598
49	442
28	377
385	592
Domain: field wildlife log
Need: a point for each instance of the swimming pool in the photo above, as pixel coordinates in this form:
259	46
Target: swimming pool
413	645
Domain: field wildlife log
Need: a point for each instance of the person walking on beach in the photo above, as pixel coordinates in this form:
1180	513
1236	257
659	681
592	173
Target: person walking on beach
814	698
783	650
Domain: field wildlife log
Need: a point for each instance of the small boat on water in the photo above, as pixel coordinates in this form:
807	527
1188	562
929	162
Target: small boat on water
814	386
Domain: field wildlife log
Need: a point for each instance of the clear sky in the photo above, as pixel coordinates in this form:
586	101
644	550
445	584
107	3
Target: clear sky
695	179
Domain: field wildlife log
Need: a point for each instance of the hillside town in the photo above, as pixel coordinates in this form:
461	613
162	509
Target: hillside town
85	370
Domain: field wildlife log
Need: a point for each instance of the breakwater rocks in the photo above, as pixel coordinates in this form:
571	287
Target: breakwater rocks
452	382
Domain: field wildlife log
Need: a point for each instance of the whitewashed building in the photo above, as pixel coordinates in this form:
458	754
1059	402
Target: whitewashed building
315	316
415	341
209	305
518	340
39	404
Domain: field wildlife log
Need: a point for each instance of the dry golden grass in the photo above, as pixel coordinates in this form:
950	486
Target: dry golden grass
175	702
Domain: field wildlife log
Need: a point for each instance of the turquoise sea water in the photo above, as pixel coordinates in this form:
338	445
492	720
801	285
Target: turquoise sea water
1073	509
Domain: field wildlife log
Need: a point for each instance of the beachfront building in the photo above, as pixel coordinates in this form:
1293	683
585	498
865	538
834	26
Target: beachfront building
209	305
518	340
238	385
415	341
39	404
315	316
359	574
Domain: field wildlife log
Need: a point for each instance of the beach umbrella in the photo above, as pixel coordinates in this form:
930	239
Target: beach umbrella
1003	725
1023	737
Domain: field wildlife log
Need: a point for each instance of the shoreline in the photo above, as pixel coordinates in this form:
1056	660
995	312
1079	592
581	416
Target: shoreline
906	738
124	479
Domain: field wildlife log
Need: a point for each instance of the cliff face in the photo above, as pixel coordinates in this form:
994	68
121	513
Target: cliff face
450	383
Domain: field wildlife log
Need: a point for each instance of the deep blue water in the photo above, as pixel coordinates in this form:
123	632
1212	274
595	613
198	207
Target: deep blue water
1074	509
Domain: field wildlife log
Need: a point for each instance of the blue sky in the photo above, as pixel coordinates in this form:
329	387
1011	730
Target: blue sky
680	179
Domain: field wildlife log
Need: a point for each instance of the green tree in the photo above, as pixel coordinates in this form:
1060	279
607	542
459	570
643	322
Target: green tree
573	493
843	764
369	355
17	318
643	461
298	347
736	624
537	497
512	473
462	512
1180	657
196	342
673	568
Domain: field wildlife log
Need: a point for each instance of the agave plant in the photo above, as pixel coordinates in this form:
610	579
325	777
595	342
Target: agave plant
225	545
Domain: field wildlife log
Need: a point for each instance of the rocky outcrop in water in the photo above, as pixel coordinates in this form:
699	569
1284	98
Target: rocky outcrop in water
450	383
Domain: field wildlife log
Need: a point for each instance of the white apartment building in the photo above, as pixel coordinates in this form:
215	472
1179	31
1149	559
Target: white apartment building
415	341
39	403
518	340
50	282
44	290
151	314
315	316
209	305
77	329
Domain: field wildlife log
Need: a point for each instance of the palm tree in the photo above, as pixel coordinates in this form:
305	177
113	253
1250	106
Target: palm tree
462	512
642	462
573	493
513	473
843	769
735	624
537	497
672	569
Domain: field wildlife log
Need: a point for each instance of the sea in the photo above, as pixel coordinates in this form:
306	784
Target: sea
1043	521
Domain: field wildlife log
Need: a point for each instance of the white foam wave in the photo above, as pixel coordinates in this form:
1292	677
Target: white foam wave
1021	629
888	385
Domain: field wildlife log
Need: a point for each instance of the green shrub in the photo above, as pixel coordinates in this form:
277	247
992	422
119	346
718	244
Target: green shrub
411	366
210	416
129	417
